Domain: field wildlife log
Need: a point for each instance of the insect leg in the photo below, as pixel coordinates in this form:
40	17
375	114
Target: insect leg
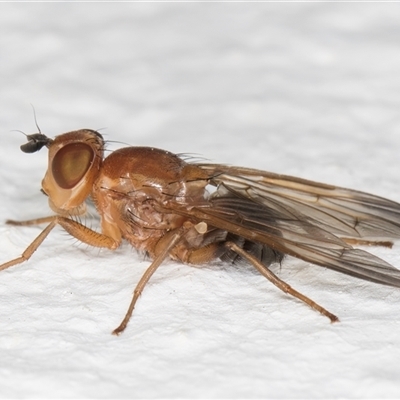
173	240
79	231
87	235
278	282
26	255
29	222
204	254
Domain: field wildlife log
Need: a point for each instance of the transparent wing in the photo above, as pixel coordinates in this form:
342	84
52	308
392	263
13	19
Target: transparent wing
303	219
344	212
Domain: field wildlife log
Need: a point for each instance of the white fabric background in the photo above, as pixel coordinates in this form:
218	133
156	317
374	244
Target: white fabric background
311	90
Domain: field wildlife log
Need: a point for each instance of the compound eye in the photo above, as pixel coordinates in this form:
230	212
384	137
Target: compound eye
71	163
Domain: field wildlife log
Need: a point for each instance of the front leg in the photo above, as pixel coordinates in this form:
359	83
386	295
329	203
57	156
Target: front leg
30	222
75	229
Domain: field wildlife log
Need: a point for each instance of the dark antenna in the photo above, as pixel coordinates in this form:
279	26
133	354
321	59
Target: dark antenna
35	141
34	116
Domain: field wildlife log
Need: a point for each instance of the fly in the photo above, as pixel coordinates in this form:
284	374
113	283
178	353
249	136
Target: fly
159	203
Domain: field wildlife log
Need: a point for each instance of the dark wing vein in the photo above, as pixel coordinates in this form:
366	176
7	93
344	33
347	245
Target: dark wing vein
297	238
304	219
344	212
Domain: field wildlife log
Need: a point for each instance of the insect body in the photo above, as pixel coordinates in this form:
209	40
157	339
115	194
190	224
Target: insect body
161	204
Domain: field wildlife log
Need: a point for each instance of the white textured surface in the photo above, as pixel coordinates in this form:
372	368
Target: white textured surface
311	90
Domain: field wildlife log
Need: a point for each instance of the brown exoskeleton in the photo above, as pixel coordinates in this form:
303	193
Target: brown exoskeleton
160	204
